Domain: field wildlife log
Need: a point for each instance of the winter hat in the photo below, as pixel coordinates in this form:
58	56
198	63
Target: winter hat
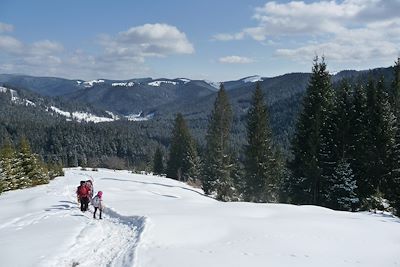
100	193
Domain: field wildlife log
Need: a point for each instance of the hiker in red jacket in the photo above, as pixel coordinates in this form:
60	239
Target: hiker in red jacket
83	193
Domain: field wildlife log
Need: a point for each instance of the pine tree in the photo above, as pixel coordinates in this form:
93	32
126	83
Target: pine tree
55	169
31	171
183	159
343	185
238	177
359	133
217	165
260	161
395	89
158	165
393	193
394	182
306	166
342	121
335	138
8	162
380	138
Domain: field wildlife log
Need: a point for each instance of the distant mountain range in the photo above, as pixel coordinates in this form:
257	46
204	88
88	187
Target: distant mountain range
145	98
148	95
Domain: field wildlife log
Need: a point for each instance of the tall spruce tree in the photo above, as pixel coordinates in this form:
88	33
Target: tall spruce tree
359	146
335	139
260	159
395	89
8	163
380	138
217	165
158	164
306	144
342	121
183	159
394	183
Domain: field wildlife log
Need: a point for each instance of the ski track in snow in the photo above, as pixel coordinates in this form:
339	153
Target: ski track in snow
118	235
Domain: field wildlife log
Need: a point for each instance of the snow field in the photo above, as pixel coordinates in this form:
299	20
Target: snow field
159	222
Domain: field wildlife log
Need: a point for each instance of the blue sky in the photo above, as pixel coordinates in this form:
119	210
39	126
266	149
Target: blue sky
216	40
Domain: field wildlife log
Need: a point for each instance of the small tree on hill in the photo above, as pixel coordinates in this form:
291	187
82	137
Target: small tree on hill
343	185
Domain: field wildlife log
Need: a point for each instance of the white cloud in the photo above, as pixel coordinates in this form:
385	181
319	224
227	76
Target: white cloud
120	56
228	37
4	27
149	40
235	60
342	30
46	47
9	44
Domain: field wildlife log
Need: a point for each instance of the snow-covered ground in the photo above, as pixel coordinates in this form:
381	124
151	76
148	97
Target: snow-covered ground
252	79
158	83
155	221
83	116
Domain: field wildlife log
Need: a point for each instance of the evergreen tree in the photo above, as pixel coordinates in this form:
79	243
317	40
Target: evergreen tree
183	160
260	161
238	177
359	133
55	169
393	192
306	164
342	192
342	121
158	165
335	140
395	89
8	162
31	171
394	183
380	138
217	165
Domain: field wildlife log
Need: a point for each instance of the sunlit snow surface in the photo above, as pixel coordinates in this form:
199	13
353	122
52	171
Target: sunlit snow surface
91	83
253	79
158	83
83	116
155	221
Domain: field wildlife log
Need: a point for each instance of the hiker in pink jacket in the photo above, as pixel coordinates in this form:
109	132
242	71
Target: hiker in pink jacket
97	203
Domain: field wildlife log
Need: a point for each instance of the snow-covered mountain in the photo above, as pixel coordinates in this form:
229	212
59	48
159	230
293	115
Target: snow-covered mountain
155	221
166	97
15	98
80	116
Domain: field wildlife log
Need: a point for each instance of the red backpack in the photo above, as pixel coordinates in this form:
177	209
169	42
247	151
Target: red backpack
83	191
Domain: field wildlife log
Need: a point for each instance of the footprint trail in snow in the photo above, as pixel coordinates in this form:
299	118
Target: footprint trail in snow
108	242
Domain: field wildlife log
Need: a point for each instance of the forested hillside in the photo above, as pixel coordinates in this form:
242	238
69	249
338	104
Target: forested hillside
133	143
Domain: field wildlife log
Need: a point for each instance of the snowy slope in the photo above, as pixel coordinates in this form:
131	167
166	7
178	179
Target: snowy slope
154	221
